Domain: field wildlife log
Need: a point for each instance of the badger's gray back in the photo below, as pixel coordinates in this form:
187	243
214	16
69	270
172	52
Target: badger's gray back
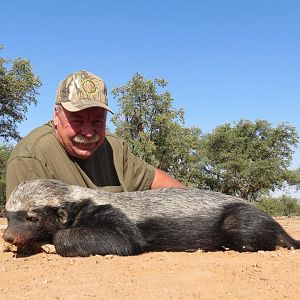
170	202
167	202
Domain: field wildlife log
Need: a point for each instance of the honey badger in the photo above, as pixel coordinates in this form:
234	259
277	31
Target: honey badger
83	222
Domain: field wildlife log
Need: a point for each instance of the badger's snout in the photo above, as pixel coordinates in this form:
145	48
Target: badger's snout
7	237
13	238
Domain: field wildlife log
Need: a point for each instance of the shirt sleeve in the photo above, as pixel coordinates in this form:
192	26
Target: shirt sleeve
134	173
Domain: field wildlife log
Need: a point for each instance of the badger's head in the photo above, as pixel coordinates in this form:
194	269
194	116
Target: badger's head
35	211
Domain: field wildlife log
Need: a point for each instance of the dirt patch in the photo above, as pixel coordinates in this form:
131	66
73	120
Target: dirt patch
198	275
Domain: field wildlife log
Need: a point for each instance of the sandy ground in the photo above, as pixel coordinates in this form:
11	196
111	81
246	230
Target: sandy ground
198	275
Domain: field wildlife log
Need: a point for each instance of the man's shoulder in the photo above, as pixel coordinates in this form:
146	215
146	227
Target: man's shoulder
113	139
27	145
109	134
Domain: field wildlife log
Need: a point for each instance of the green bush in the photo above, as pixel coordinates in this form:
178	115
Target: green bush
282	206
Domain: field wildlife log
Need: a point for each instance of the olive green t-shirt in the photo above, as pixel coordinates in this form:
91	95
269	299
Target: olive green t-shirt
41	155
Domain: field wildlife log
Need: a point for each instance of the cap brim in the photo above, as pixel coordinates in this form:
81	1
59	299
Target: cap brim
78	107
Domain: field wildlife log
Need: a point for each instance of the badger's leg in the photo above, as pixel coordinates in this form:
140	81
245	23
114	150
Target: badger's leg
99	230
247	228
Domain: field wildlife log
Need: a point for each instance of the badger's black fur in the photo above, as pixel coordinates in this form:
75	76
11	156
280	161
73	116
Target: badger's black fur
84	222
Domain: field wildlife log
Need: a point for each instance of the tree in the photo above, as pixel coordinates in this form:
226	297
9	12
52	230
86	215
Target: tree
18	90
4	154
247	159
295	178
282	206
154	129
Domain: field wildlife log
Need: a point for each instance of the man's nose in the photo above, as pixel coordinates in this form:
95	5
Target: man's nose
87	129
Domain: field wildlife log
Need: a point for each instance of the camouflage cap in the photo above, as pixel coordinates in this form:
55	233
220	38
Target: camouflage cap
81	90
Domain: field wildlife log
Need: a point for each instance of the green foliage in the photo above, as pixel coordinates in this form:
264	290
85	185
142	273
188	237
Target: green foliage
154	129
247	159
4	154
296	174
283	206
18	89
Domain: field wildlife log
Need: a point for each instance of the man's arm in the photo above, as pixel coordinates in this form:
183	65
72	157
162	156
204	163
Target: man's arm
162	179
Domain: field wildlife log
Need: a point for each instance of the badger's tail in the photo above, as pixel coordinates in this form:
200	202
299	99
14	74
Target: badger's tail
247	228
295	244
284	240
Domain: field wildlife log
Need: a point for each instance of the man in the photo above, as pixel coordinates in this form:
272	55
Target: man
76	148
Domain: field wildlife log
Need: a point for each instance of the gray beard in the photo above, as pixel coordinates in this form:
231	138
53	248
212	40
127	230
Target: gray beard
84	140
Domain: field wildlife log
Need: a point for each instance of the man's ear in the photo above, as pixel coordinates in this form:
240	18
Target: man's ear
55	117
62	215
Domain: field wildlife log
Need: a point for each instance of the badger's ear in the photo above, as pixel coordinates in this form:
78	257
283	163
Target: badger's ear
62	215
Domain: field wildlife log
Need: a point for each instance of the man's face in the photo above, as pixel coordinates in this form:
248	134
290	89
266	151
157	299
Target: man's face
82	132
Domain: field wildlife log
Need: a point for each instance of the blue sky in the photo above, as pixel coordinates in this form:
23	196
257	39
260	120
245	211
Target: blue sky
224	60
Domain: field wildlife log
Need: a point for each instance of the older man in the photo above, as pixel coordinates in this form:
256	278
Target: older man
76	148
